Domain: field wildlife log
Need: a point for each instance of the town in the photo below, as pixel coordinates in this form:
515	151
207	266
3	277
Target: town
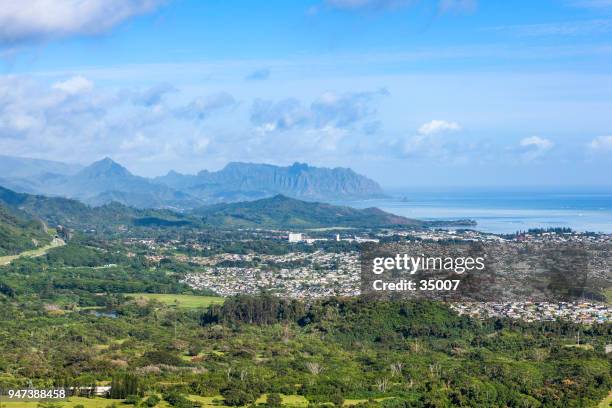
309	268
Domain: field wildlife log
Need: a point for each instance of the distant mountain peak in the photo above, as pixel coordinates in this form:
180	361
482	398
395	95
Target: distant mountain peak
298	167
107	161
105	167
280	211
281	197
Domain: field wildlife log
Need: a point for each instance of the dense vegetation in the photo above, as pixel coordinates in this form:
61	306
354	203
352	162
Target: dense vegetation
284	212
64	320
18	233
67	319
275	212
74	214
416	354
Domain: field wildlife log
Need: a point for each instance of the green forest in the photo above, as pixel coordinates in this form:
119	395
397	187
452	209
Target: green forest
66	321
100	312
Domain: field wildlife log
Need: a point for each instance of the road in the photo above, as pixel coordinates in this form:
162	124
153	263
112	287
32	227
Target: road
57	242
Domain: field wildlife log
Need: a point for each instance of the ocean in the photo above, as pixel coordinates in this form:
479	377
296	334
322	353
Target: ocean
503	211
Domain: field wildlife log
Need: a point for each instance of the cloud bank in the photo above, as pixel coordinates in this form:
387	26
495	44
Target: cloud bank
330	109
38	20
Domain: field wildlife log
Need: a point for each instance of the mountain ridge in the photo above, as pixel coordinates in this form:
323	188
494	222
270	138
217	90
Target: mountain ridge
105	181
272	212
299	180
281	211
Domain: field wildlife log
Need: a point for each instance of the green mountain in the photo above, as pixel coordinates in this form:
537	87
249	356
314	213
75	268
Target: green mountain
284	212
20	233
74	214
275	212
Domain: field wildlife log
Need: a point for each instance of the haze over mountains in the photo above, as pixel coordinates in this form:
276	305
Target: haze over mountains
106	181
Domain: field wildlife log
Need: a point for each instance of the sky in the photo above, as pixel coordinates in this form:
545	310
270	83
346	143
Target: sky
412	93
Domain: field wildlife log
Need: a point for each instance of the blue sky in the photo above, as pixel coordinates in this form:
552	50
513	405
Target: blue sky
411	93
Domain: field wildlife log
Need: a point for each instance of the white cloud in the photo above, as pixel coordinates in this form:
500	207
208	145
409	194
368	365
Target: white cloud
330	109
414	144
201	108
536	142
429	140
269	116
438	126
533	147
153	96
74	85
342	110
601	143
33	20
59	121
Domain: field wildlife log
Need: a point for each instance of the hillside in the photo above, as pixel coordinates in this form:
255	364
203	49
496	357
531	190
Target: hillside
74	214
18	233
274	212
284	212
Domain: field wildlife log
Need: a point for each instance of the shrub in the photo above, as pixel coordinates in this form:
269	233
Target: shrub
132	399
274	400
177	400
237	397
151	401
337	400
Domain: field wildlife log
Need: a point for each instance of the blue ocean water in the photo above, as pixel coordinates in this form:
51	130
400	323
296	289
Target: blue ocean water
504	211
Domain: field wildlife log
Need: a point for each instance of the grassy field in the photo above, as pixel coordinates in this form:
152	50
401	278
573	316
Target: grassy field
207	402
182	301
288	400
295	401
607	402
5	260
69	403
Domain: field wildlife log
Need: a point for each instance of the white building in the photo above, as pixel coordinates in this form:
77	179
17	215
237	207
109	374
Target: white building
295	237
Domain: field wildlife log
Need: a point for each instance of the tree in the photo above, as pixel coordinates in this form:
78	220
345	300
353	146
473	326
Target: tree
274	400
151	401
132	399
337	400
237	397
